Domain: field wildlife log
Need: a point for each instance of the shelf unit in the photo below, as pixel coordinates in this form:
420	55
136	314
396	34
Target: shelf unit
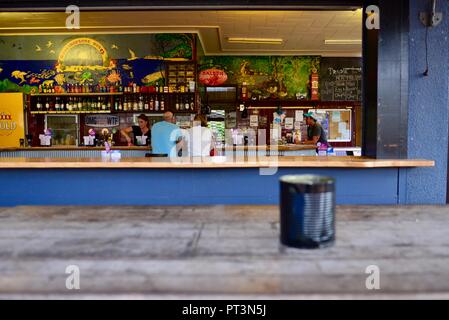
70	112
86	94
111	98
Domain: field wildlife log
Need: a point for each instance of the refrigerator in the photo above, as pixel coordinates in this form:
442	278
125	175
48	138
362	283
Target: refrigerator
12	120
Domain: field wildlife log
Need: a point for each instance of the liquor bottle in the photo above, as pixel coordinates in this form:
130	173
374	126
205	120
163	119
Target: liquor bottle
134	87
52	105
151	103
47	104
69	104
162	103
79	105
115	105
244	91
135	104
186	104
156	104
108	105
120	105
141	104
40	88
119	87
125	103
181	103
192	103
146	106
57	104
39	104
177	103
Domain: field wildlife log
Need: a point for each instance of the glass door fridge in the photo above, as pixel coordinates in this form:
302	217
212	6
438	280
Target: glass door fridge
65	129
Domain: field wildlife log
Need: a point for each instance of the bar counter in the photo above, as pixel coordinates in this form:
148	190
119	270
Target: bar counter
209	163
235	180
291	147
138	151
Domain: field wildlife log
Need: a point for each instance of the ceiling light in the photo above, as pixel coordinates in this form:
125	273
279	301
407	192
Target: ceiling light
355	41
255	40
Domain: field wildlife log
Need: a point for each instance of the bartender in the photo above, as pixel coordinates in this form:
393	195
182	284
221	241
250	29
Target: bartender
143	129
315	132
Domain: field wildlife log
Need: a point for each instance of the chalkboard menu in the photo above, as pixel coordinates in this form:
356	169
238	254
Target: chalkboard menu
341	79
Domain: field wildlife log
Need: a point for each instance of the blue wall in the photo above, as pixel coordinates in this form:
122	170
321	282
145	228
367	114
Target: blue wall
428	106
186	186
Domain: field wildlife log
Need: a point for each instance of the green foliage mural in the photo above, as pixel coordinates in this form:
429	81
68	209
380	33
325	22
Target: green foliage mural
266	76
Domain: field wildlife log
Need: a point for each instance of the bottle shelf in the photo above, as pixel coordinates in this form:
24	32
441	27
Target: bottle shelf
154	111
91	94
159	93
70	112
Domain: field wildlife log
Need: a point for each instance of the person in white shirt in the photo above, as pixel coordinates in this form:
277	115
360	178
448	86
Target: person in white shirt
200	138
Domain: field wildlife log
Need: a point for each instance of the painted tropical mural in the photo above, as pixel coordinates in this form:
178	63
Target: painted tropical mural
29	61
284	77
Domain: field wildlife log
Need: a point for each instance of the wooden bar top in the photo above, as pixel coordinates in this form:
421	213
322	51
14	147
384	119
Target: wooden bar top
291	147
211	163
70	148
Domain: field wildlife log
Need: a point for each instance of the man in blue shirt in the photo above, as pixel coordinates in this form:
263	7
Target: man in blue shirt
166	137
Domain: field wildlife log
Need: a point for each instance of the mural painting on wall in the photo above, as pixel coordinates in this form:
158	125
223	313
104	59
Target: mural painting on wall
266	77
110	60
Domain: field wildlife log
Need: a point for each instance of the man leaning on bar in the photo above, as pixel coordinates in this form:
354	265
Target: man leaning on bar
166	136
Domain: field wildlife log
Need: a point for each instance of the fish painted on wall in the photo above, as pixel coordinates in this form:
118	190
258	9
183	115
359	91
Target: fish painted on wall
152	77
114	77
60	78
34	80
44	62
20	75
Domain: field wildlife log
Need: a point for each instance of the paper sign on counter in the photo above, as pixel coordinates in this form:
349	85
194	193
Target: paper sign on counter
342	127
299	115
336	116
254	121
289	123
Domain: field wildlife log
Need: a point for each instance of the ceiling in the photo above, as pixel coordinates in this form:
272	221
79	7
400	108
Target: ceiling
303	32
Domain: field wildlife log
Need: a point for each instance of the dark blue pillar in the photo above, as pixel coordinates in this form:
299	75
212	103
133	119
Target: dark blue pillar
428	105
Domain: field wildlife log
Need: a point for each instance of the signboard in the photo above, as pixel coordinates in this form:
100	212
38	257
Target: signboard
12	127
213	77
102	121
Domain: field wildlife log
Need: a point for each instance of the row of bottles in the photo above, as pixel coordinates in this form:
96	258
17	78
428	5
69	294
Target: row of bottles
80	88
73	104
126	103
153	103
160	88
114	88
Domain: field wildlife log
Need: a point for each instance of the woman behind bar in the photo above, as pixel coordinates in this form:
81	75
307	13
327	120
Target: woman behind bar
200	140
143	129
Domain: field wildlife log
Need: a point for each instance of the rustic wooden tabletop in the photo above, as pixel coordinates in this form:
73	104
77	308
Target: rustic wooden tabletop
219	252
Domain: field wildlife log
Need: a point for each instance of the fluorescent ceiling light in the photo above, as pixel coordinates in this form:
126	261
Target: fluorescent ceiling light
255	40
355	41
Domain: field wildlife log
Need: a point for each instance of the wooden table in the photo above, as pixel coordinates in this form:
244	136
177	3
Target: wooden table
219	252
